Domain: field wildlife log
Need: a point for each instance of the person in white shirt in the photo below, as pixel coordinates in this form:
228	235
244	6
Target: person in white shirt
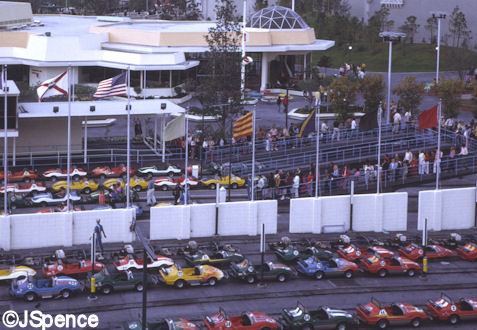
408	156
296	185
397	121
407	116
260	186
422	160
437	161
324	128
353	126
463	151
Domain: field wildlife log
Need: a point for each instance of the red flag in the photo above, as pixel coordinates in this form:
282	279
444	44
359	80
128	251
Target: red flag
428	118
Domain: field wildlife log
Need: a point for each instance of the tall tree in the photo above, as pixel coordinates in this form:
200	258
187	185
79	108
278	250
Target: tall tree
449	92
222	79
410	28
372	88
431	26
377	23
410	93
342	94
458	26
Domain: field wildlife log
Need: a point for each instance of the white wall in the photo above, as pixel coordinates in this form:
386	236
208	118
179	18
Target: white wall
237	218
447	209
170	222
267	212
202	220
332	214
39	230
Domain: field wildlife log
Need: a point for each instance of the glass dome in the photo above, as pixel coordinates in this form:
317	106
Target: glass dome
277	17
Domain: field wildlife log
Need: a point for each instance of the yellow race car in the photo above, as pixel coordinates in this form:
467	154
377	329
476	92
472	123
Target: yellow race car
137	184
16	272
85	186
212	183
180	277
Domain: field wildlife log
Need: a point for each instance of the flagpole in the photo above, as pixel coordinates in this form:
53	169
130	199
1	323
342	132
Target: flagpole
380	110
186	190
242	69
68	156
253	153
128	143
317	161
438	159
5	141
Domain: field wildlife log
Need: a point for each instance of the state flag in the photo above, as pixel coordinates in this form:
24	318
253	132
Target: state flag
55	86
243	126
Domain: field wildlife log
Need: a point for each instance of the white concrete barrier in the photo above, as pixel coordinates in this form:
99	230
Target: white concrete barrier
371	212
267	213
116	224
5	240
378	212
170	222
38	230
447	209
202	220
237	218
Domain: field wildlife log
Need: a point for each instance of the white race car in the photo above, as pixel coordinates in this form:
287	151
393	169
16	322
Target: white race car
57	173
47	198
24	189
167	183
161	169
16	272
127	260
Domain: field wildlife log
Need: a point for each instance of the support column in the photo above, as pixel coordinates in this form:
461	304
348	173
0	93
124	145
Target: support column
163	127
141	79
170	80
14	151
304	66
85	140
265	71
155	132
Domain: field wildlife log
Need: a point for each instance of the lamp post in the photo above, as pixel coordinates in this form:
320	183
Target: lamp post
438	15
390	37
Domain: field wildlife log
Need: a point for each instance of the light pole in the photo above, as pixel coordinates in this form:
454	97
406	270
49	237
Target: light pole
438	15
390	37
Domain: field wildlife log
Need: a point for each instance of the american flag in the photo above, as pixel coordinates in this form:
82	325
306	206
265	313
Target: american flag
114	86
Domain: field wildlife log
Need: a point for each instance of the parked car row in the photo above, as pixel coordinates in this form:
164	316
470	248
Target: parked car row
374	313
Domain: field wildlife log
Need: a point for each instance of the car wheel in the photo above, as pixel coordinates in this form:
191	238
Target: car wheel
137	188
102	176
179	284
30	296
250	279
76	177
44	204
54	179
28	203
348	274
307	327
212	186
234	185
454	319
383	324
319	275
341	326
87	191
139	287
65	294
107	289
266	328
27	180
382	272
170	173
411	272
164	188
281	278
13	206
60	274
212	281
416	323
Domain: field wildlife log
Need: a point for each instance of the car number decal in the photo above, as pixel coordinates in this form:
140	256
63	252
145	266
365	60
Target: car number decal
453	308
228	324
30	286
60	268
306	317
295	253
382	312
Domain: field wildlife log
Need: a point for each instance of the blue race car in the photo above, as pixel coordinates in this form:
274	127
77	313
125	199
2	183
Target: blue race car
321	268
31	289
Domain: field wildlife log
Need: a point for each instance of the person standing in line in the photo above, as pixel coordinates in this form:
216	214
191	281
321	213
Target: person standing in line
422	159
151	199
98	230
295	186
101	197
353	126
279	102
248	184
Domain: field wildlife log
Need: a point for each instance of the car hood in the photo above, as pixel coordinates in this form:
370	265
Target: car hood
339	313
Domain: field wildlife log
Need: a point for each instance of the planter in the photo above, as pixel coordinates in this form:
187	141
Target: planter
293	114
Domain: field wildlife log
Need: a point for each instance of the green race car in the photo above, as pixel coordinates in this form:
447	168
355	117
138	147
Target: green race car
271	271
165	324
221	257
322	318
291	254
16	200
107	283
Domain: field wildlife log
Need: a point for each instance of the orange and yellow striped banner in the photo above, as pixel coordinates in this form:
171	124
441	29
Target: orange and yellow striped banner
243	126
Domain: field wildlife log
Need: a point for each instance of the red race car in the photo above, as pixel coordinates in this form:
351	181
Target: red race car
352	253
106	171
415	252
24	175
62	266
380	315
247	320
467	252
395	265
447	310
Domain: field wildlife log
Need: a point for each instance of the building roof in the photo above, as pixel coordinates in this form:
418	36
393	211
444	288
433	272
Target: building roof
277	17
104	108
